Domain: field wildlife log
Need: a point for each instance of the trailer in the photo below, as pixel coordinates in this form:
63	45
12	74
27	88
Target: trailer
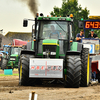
19	42
93	44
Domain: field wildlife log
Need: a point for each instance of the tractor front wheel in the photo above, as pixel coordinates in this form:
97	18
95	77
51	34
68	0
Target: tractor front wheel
24	72
73	75
4	63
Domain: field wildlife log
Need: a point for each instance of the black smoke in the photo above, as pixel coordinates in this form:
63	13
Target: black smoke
33	6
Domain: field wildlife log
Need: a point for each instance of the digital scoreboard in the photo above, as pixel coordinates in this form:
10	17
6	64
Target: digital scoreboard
92	24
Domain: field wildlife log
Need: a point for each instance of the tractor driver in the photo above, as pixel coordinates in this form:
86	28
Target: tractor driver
80	35
54	33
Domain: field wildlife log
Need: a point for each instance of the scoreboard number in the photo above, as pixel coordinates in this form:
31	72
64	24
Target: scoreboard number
92	24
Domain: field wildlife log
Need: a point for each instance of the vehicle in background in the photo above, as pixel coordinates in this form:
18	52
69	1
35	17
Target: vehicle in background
19	42
10	59
14	57
5	54
93	44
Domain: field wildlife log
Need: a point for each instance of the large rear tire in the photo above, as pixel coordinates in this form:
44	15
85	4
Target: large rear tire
4	63
73	76
86	73
24	71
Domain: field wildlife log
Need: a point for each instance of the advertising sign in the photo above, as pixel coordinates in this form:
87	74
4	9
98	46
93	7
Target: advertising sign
46	68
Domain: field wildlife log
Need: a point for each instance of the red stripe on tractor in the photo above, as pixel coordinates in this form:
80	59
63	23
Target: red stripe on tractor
46	68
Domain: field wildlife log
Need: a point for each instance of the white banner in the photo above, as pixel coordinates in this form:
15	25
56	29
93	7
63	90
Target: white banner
46	68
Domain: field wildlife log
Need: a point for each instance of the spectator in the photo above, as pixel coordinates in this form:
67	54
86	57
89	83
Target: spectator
92	34
80	35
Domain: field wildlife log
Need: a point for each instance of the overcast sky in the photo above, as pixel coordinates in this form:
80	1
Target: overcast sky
12	12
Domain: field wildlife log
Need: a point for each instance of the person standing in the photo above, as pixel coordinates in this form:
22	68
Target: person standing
92	34
80	35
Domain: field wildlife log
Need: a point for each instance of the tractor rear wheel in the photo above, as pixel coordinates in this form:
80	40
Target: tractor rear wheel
4	63
98	76
73	75
24	71
86	68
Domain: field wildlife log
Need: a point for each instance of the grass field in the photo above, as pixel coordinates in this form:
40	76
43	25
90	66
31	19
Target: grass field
13	70
9	75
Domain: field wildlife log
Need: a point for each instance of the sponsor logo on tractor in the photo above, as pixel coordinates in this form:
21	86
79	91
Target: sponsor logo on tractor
48	67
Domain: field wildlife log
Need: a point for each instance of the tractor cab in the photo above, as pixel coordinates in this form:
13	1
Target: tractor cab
16	50
52	35
6	49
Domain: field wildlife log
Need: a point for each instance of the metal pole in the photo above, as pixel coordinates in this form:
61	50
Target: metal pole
32	32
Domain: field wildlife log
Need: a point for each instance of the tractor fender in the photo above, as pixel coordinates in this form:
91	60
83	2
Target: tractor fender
27	52
75	49
73	53
76	46
79	47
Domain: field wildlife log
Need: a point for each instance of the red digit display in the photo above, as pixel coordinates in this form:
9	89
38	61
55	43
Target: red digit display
96	24
87	25
92	24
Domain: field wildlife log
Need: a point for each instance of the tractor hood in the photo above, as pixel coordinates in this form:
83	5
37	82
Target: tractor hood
14	55
13	61
51	48
50	42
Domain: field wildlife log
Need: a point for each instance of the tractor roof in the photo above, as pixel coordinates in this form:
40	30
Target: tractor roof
55	18
6	45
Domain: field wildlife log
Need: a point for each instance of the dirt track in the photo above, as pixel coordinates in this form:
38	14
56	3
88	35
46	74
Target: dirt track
10	90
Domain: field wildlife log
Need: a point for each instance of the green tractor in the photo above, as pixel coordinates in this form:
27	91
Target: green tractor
14	57
5	55
53	56
11	60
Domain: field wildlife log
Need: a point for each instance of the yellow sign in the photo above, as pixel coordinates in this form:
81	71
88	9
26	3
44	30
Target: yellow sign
97	47
94	17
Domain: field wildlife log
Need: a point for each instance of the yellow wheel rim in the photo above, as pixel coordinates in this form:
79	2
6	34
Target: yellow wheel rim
88	69
20	71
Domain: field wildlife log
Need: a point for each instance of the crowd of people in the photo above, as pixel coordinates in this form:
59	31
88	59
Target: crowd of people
81	35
